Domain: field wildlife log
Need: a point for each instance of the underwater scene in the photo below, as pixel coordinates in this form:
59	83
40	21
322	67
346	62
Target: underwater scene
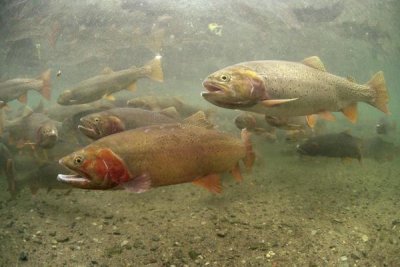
199	133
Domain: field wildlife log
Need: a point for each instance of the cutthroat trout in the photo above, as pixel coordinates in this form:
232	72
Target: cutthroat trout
286	89
18	88
154	156
110	82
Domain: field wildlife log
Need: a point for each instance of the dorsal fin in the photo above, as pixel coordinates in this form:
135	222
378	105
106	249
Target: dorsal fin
107	70
314	62
170	112
198	119
351	79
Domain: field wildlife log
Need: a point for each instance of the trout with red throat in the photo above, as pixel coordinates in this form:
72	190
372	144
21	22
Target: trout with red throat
160	155
286	89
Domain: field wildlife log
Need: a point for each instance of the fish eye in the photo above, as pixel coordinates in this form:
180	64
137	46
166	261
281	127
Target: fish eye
225	78
97	119
78	160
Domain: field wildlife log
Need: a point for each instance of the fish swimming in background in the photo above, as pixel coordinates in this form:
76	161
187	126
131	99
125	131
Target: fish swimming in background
18	88
287	89
110	82
159	155
255	123
385	126
338	145
158	103
101	124
33	129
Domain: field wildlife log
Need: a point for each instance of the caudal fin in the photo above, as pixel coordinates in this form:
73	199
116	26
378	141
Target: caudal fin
250	155
156	72
46	89
378	84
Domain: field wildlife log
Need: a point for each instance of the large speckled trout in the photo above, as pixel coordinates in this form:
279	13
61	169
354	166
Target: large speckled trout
154	156
110	82
285	89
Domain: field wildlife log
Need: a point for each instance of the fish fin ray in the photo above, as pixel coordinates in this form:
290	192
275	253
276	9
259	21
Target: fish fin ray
199	119
236	173
351	79
351	112
250	155
211	182
156	72
139	184
378	84
314	62
311	120
276	102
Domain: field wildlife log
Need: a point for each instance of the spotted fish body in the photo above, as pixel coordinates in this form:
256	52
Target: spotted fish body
154	156
285	89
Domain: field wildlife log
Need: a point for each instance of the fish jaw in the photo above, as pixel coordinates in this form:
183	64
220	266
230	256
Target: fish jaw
74	180
94	168
221	96
234	87
90	129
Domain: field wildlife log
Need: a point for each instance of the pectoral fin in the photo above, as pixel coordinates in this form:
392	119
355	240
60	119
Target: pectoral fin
139	184
351	112
276	102
210	182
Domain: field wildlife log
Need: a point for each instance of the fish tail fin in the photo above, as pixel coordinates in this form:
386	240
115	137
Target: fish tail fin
250	155
156	72
46	89
378	84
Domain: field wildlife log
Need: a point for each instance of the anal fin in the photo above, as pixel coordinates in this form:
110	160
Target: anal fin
311	120
351	112
210	182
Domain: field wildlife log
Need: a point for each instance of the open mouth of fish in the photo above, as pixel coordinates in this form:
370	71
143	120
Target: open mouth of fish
75	178
212	88
72	179
88	128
